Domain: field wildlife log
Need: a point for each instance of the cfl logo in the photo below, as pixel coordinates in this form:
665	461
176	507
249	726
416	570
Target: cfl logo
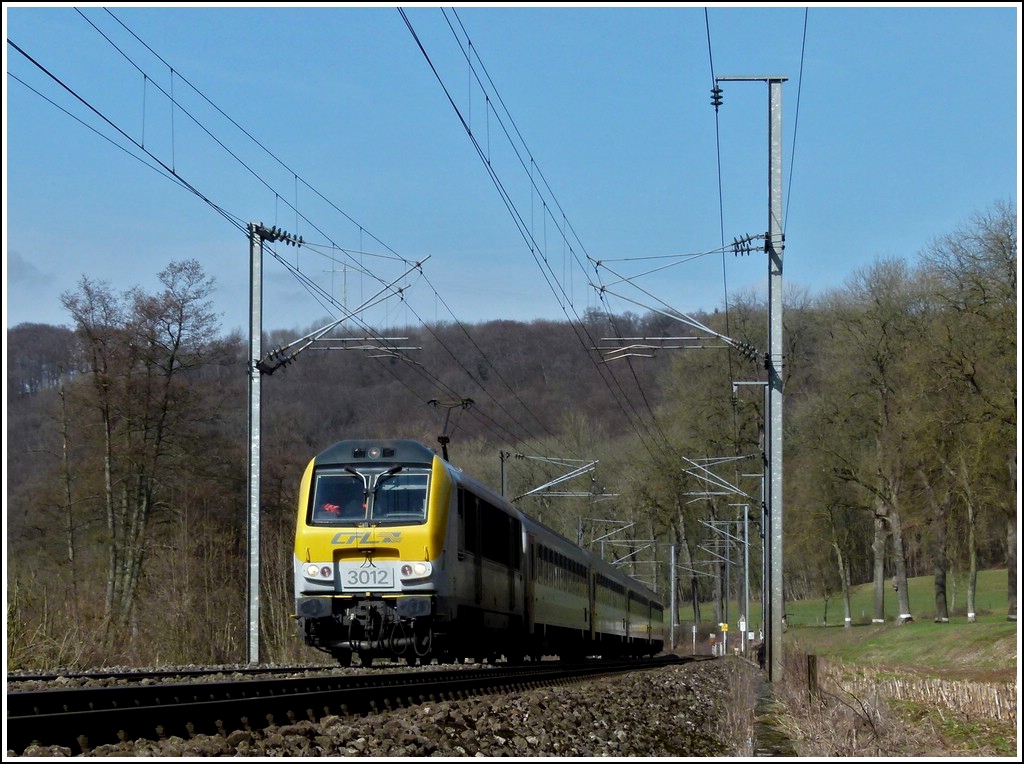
368	537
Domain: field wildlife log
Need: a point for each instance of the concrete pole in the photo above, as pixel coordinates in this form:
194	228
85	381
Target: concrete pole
774	363
775	372
504	479
728	570
255	354
746	574
764	542
673	610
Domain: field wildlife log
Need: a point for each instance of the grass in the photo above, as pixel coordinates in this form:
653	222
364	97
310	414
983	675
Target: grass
988	646
932	647
990	602
978	736
923	688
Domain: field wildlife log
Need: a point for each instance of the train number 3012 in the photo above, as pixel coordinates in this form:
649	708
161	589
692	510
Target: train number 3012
368	578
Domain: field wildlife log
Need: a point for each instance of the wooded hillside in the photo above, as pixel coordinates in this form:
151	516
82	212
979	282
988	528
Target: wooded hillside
127	445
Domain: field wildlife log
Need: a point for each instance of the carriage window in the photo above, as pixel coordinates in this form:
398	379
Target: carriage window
338	500
401	498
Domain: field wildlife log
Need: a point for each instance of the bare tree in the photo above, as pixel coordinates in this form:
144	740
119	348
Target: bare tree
974	277
875	327
139	349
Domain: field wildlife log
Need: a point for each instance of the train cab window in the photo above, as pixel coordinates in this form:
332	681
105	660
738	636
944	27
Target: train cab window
400	497
338	500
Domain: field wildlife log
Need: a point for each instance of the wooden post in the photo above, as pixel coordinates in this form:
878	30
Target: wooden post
812	675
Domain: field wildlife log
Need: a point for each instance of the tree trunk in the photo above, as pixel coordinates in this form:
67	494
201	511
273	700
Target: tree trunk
1011	547
900	563
1011	567
844	582
878	551
686	563
847	608
940	561
69	517
112	524
972	570
972	546
941	610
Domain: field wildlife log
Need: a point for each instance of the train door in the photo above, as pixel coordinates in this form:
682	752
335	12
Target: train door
592	599
529	580
626	600
469	538
514	560
473	526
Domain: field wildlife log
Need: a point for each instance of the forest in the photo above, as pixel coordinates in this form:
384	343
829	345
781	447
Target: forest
127	447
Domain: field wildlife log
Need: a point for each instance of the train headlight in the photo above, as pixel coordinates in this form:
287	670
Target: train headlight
416	570
321	572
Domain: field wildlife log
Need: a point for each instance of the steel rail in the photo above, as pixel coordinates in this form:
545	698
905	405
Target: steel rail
83	718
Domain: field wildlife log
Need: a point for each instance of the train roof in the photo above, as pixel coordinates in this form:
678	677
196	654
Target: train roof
404	451
379	451
594	559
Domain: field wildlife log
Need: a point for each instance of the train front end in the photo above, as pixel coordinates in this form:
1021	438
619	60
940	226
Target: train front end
369	550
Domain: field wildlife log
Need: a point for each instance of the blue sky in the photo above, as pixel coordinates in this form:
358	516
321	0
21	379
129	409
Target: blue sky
596	154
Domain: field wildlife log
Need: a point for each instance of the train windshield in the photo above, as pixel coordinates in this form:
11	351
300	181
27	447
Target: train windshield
400	497
393	497
339	499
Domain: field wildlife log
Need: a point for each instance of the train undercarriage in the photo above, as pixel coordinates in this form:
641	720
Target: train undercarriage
374	630
406	629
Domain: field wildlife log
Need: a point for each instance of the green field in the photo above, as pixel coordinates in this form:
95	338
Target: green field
989	645
946	686
990	602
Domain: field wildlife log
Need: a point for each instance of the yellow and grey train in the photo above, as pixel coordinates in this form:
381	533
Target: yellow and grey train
401	555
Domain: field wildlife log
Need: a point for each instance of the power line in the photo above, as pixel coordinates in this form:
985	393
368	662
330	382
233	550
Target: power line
796	119
716	101
167	171
318	293
538	253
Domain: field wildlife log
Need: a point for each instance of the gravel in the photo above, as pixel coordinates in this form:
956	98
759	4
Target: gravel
687	710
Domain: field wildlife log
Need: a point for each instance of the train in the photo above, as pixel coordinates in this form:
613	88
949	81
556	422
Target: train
400	555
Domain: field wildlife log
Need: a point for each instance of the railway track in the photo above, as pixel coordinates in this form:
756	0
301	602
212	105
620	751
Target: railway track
83	718
163	674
